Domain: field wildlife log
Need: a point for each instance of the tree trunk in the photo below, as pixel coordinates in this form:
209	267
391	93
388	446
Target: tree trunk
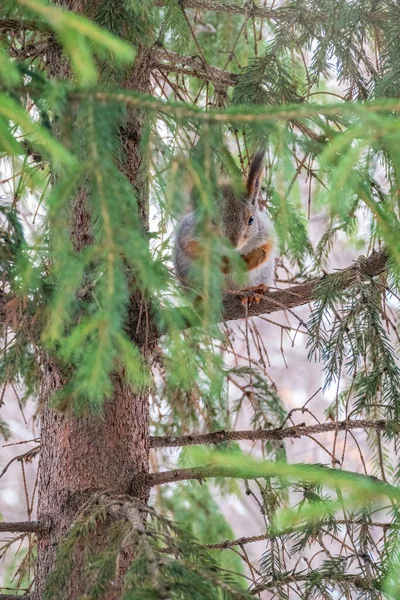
84	456
81	457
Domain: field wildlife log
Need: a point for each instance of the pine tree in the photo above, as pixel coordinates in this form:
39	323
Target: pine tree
113	112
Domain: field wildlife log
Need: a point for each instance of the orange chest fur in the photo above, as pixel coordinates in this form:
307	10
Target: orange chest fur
253	259
258	256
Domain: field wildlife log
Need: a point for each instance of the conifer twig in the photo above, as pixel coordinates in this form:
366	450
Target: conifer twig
25	456
22	527
235	8
284	299
271	301
266	536
340	578
168	61
24	25
303	293
218	437
270	468
14	597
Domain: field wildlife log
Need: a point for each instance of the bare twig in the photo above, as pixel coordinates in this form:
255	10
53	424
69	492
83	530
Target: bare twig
269	468
341	578
22	25
286	299
22	527
236	8
266	536
218	437
25	456
168	61
303	293
13	597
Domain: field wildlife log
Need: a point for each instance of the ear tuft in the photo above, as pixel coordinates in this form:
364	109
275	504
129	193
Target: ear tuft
255	176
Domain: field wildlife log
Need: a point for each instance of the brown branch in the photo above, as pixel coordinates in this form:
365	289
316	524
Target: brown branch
22	25
297	431
340	579
167	61
234	8
284	14
266	536
272	301
279	299
25	456
198	473
269	468
20	597
303	293
22	527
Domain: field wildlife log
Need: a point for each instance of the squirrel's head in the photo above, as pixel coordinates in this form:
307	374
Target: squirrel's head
238	210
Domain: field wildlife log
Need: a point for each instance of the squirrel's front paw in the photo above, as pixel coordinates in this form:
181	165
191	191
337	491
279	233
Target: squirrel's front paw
255	294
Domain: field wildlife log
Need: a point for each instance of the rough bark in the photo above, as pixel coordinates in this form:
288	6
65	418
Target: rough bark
82	456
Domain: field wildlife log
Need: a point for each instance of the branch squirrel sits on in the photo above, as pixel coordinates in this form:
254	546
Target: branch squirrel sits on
243	222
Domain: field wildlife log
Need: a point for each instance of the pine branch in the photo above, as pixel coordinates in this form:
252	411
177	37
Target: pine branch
218	437
283	299
13	597
167	61
272	301
26	455
22	527
303	293
233	8
163	59
297	431
237	114
259	538
282	14
320	473
340	578
22	25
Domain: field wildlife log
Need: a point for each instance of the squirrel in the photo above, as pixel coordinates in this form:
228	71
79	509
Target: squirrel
243	222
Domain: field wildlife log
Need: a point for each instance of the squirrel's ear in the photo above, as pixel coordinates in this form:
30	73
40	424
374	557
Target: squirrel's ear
256	175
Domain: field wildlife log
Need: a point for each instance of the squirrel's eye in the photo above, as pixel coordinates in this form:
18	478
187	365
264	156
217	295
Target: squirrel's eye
250	221
213	222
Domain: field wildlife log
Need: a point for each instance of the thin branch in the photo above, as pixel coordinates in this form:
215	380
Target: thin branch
234	114
218	437
266	536
26	455
280	299
167	61
339	578
22	527
271	301
303	293
363	484
13	597
22	25
284	14
234	8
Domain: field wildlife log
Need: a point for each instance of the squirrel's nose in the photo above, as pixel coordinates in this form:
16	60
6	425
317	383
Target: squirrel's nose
234	239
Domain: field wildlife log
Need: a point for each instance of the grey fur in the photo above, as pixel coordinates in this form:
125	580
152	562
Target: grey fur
233	217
